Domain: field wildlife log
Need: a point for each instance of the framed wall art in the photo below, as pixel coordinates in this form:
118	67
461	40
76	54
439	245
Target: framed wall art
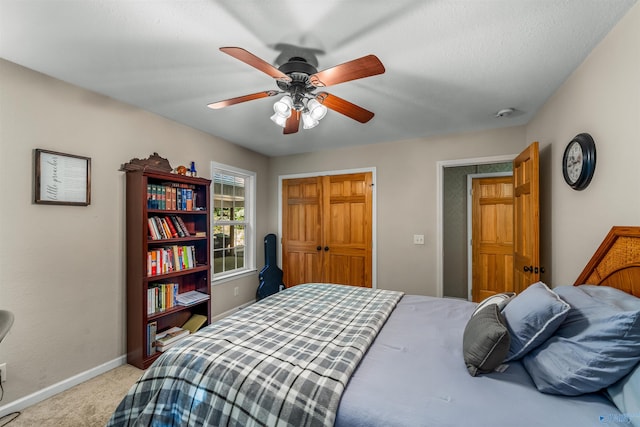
62	179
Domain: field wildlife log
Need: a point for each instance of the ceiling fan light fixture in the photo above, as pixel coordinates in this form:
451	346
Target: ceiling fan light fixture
317	111
283	106
279	119
308	121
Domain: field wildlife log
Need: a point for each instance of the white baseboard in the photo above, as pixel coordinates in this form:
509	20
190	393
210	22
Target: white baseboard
45	393
233	310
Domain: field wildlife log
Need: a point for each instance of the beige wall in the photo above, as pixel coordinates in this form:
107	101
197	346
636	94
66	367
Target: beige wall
62	268
602	97
406	195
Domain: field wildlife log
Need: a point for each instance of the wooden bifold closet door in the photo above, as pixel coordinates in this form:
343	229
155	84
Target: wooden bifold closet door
327	229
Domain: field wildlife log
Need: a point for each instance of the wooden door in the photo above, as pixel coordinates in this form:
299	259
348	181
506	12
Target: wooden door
347	216
327	230
526	218
301	230
492	236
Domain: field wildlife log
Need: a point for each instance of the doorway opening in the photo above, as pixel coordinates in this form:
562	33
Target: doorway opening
453	255
489	233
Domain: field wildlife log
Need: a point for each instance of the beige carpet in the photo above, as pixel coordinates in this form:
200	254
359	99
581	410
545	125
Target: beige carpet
88	404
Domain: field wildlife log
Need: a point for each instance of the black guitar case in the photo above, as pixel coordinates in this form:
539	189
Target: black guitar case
270	275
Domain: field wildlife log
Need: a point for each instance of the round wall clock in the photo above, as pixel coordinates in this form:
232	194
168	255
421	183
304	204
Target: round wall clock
579	161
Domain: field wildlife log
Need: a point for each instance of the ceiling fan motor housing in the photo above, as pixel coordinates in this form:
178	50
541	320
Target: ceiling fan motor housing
299	70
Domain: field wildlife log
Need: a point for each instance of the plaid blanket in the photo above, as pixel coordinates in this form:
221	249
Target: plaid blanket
283	361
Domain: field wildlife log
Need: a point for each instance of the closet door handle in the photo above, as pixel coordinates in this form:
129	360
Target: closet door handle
528	268
326	248
318	248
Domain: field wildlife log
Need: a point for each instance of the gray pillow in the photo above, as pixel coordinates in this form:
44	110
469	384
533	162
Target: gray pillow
486	341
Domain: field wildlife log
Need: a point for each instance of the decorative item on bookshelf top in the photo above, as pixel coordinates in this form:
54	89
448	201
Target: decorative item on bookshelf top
153	162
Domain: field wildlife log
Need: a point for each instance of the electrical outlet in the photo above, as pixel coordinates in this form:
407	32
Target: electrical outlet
418	239
3	372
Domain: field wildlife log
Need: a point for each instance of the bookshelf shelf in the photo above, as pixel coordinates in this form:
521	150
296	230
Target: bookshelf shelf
175	309
175	240
164	242
172	274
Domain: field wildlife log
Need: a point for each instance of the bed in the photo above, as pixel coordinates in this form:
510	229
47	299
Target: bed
322	354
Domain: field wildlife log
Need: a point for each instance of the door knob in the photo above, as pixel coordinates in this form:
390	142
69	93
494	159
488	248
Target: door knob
318	248
528	269
326	248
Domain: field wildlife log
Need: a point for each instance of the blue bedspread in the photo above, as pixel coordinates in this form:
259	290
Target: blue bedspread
414	375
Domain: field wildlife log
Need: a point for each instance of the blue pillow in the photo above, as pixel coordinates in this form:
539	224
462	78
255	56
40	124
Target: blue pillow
532	317
625	394
595	346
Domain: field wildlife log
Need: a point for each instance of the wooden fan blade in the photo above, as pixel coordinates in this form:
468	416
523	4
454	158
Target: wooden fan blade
293	123
359	68
345	107
250	59
245	98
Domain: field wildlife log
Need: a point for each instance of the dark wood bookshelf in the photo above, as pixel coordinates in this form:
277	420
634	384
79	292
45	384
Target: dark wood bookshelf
139	243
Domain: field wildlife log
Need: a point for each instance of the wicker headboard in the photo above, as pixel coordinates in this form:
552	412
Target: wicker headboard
616	263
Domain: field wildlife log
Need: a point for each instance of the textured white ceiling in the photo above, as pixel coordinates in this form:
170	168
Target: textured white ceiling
450	65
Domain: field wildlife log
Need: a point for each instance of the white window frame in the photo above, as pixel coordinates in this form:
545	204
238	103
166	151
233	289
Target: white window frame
249	223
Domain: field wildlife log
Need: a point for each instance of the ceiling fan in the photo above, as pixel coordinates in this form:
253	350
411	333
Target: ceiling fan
299	79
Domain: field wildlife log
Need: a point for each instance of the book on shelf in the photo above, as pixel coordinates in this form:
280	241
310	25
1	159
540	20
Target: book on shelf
170	258
170	336
171	191
191	297
164	347
168	227
194	323
161	296
151	337
159	227
166	232
151	197
163	197
172	228
189	201
177	226
171	196
183	226
153	231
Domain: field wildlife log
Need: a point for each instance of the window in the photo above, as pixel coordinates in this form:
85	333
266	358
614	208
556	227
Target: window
233	216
